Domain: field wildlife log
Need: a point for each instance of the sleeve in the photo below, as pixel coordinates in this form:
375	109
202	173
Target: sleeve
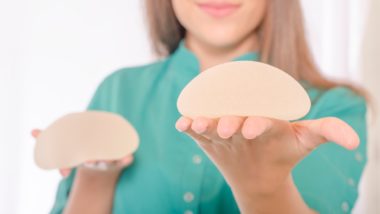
329	177
99	101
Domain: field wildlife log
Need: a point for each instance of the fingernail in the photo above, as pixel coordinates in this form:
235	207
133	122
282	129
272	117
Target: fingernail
181	126
225	133
200	128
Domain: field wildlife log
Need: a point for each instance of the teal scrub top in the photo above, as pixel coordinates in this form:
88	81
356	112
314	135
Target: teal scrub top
171	174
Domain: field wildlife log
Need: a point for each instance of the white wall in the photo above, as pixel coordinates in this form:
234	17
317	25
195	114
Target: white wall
57	53
335	30
54	53
370	64
9	130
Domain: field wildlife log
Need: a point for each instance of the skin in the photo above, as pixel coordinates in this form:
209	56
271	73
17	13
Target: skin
254	154
93	190
219	39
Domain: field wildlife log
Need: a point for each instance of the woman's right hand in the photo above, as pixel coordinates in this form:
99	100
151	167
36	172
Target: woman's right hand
119	164
93	185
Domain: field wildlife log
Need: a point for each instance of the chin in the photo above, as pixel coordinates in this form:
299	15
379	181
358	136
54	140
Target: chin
219	37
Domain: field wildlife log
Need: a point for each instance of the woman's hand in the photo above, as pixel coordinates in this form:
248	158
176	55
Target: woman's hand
93	190
256	154
117	165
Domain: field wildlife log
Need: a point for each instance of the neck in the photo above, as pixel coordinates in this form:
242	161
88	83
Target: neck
209	55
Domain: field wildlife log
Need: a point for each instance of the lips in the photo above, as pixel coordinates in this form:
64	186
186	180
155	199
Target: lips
218	10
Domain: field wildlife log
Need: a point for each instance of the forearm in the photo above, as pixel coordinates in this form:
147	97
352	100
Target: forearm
92	192
286	199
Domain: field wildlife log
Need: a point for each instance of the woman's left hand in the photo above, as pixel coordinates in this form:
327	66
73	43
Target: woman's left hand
256	154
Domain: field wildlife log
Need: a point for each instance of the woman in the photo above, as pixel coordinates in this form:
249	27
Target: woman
248	165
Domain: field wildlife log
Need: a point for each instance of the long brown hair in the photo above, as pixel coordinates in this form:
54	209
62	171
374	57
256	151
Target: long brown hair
282	38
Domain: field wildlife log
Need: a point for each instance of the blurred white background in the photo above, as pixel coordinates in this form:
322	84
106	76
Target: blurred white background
53	54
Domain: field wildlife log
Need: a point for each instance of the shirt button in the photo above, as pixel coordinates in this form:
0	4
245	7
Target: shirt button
197	159
351	182
358	157
188	212
345	207
188	197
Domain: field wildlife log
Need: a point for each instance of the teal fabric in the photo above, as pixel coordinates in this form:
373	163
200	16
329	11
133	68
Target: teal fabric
169	164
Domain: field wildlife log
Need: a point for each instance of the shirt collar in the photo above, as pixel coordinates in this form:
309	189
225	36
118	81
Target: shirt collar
184	59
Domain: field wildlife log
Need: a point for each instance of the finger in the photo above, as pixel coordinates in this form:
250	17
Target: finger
207	145
228	126
35	132
126	161
255	126
198	138
201	124
183	124
65	172
332	129
100	164
206	127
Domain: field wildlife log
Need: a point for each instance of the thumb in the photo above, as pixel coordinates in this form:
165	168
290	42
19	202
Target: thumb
35	132
329	129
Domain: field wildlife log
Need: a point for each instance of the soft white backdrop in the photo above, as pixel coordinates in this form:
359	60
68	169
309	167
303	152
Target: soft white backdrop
54	53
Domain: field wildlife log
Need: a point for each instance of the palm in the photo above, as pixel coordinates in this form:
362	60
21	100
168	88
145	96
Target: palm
259	153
